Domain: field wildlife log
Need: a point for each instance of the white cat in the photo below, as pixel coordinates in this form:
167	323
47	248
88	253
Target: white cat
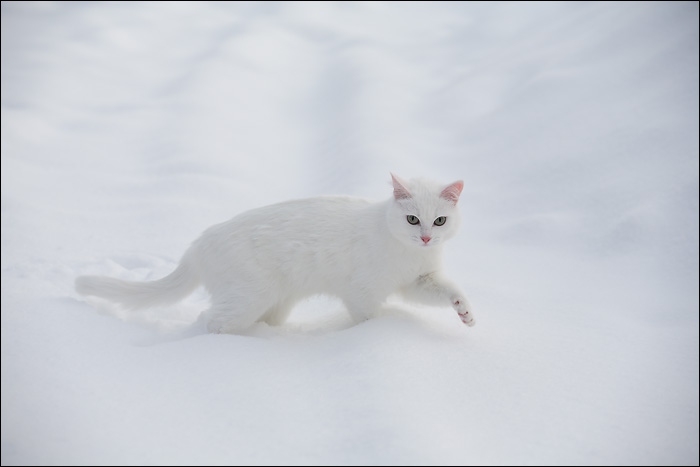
259	264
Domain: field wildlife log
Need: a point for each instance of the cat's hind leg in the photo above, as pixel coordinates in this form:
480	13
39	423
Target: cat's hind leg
232	314
277	314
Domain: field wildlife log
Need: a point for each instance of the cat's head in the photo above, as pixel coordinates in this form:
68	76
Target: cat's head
423	213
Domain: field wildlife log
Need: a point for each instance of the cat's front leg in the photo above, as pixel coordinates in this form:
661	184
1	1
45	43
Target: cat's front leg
434	289
464	310
360	307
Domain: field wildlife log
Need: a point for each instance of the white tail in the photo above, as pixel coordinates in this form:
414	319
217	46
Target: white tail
180	283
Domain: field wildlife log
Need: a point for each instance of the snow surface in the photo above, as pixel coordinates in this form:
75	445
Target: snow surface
127	129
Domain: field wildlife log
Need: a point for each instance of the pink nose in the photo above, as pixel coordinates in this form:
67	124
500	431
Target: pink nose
425	239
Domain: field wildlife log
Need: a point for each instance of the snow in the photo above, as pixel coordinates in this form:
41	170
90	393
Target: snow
129	128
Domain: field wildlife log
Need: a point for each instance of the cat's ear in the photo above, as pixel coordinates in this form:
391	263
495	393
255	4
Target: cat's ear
400	190
452	192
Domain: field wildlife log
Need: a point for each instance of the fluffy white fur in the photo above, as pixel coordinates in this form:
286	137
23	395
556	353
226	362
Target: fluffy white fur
259	264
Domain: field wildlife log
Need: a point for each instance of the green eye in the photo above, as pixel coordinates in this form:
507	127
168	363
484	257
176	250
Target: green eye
413	220
440	220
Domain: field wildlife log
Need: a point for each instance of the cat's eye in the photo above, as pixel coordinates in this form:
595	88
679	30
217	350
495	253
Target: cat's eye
413	220
440	220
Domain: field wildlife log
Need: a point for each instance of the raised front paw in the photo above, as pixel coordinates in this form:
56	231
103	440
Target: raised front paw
464	311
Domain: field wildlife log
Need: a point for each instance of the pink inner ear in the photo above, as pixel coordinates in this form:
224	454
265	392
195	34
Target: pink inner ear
400	191
452	192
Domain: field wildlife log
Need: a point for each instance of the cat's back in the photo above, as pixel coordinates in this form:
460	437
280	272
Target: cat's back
317	211
292	238
305	220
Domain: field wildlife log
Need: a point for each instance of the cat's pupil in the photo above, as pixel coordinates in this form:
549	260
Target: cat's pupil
413	220
440	220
